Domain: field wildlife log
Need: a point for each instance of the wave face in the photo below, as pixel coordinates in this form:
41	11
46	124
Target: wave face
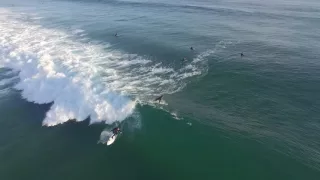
82	79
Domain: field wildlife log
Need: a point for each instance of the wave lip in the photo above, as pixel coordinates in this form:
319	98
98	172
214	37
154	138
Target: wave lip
50	71
84	79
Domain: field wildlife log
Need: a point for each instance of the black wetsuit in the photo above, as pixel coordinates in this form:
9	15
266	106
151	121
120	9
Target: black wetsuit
115	131
159	98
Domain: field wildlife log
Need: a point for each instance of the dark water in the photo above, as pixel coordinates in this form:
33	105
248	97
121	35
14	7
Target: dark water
223	116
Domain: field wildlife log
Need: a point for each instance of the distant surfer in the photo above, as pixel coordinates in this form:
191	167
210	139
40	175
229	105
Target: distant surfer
159	98
184	59
241	54
116	35
116	131
191	48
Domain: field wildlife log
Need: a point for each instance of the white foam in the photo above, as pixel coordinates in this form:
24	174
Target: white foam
4	82
175	116
51	72
104	136
82	79
77	31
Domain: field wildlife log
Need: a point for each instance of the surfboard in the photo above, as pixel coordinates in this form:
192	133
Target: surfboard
111	140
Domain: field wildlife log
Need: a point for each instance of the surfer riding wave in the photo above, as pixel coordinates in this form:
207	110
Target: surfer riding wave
116	131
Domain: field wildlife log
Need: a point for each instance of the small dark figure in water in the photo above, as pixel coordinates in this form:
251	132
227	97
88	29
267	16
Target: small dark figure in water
116	131
184	59
241	54
191	48
159	98
116	35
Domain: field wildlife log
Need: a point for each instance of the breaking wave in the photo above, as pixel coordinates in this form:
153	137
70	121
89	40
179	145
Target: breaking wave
82	79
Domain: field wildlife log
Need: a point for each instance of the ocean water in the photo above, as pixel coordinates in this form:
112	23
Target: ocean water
66	81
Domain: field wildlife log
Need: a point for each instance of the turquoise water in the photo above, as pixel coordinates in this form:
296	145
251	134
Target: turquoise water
66	80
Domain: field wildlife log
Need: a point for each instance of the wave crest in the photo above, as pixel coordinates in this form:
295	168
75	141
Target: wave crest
51	72
83	79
